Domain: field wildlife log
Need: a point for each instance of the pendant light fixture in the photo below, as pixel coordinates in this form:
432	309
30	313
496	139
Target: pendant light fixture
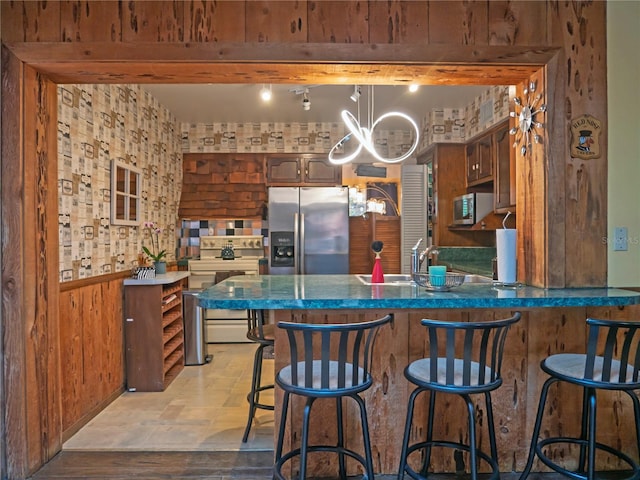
364	135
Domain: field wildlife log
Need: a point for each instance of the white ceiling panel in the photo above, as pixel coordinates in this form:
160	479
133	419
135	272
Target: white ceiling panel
241	103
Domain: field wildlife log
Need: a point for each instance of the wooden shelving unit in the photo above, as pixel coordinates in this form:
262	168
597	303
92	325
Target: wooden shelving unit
154	335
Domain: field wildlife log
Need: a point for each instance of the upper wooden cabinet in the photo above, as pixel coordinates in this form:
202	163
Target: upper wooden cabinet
505	168
448	166
491	158
479	155
302	170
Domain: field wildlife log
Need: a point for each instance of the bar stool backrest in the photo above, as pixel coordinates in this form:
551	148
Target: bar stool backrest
466	354
328	360
613	351
256	324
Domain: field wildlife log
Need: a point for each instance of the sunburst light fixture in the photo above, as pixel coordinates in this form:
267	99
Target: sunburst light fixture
528	124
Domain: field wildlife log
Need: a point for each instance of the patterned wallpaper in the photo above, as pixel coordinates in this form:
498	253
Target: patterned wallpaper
281	138
98	123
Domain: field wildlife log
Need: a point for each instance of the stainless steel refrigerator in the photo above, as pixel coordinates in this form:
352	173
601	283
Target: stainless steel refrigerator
308	230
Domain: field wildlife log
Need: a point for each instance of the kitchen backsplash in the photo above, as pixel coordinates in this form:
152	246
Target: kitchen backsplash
468	259
191	230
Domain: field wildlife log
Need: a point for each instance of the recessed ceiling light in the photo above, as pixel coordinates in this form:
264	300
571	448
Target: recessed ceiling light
265	93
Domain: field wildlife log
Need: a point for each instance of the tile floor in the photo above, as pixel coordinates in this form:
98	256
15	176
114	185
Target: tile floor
204	409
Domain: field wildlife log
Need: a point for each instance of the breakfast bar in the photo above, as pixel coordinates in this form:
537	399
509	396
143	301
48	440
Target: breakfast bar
553	321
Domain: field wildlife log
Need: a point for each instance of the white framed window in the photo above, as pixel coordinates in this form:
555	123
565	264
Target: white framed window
125	193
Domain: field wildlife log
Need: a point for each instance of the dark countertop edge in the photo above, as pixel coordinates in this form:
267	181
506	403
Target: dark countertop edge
403	304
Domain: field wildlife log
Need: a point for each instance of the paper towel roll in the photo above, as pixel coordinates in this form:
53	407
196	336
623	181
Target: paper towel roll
506	250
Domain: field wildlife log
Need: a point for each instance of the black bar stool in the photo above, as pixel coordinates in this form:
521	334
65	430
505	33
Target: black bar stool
327	361
264	335
464	358
612	362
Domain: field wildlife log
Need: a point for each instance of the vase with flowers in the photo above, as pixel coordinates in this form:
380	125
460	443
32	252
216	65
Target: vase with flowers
154	253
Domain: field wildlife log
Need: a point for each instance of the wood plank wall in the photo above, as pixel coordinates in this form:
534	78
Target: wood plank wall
363	231
195	41
223	185
515	402
92	352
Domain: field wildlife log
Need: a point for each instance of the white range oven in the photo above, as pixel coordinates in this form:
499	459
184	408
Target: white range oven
219	256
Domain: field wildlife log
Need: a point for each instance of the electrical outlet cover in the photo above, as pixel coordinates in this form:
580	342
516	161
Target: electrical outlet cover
620	239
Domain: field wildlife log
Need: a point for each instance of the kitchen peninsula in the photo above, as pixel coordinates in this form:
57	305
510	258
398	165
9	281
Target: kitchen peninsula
553	320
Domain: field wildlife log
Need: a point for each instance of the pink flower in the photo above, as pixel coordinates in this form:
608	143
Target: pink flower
154	232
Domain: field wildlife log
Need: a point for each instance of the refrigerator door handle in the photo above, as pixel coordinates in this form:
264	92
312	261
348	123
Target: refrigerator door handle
296	243
302	242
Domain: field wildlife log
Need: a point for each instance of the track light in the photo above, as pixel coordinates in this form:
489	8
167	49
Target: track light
265	93
306	103
356	93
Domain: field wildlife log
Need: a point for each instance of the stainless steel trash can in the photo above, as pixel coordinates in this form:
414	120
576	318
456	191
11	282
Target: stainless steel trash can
195	341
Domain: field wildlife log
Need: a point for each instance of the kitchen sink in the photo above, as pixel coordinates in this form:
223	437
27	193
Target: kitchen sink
389	279
473	278
399	279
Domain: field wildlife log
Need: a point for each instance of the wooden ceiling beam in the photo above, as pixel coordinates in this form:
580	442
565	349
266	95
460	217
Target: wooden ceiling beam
280	63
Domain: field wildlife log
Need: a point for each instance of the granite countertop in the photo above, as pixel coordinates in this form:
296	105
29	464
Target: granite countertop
276	292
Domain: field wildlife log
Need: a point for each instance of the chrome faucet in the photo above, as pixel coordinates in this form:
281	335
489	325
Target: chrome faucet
418	259
415	261
427	254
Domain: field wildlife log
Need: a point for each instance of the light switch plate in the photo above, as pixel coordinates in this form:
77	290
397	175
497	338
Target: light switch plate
620	239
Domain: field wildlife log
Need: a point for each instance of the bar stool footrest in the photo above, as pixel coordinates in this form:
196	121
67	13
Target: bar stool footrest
495	471
257	404
317	448
635	468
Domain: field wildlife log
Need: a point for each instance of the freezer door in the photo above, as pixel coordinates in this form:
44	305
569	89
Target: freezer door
283	209
325	230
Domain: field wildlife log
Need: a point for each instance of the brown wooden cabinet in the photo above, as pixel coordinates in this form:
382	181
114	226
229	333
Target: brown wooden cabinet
491	158
154	334
505	168
449	167
448	182
479	155
302	170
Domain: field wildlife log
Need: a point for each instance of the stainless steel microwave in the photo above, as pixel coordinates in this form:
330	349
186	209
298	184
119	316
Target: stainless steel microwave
471	208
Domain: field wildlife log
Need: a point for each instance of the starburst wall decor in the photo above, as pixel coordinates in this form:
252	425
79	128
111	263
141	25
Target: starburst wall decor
527	118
